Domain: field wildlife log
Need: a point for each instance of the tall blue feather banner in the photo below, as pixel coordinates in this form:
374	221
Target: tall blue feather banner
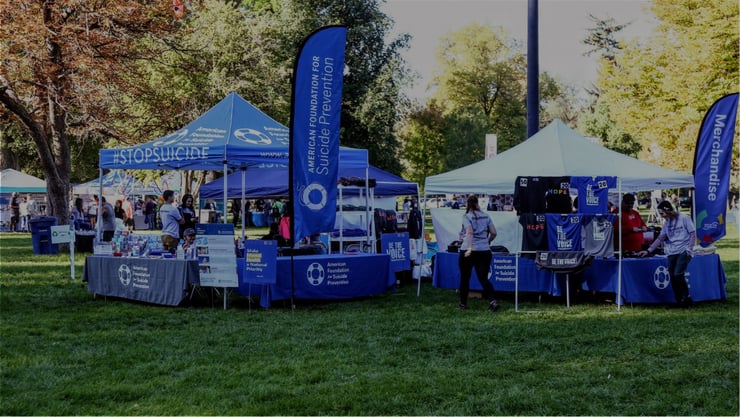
712	169
314	131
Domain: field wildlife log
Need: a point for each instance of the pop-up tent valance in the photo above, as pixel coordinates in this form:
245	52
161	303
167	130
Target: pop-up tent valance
273	181
231	133
555	151
12	181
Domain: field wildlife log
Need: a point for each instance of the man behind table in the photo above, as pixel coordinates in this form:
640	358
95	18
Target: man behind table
171	221
632	227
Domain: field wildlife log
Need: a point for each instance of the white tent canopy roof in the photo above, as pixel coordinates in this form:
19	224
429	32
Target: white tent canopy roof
12	181
555	151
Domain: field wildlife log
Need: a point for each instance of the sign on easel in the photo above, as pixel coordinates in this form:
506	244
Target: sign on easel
260	266
214	247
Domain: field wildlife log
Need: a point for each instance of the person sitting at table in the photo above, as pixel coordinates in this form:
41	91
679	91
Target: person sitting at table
631	225
188	243
274	234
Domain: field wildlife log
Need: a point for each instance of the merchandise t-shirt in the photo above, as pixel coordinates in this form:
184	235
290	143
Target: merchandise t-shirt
598	235
557	195
563	232
534	236
593	193
529	194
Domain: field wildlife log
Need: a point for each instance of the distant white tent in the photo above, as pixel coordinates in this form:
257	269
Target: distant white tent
12	181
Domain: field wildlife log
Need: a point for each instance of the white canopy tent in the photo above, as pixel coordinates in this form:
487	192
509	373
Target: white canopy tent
554	151
12	181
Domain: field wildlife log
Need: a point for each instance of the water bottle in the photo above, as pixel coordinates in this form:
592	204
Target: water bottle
180	252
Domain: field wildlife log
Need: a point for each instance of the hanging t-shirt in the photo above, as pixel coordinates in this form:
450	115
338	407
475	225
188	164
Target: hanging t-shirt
563	232
557	195
529	194
598	235
534	236
593	193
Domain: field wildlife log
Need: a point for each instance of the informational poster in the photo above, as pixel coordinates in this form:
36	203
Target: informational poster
260	262
214	246
397	246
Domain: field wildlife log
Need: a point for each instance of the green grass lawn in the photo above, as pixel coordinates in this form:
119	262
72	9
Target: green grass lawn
62	352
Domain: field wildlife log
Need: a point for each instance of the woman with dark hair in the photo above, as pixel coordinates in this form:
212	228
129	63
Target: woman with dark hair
187	211
119	212
78	216
475	252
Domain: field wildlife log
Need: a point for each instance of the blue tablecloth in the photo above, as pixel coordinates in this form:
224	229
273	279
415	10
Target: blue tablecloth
323	277
158	281
643	280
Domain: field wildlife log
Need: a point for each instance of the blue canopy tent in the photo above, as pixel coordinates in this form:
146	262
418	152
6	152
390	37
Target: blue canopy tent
232	135
273	181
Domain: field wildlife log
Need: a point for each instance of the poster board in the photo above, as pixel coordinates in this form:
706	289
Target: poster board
214	246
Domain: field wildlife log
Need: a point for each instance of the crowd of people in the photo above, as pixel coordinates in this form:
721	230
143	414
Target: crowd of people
21	210
676	238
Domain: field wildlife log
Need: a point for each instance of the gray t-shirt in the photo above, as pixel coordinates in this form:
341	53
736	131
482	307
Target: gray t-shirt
480	223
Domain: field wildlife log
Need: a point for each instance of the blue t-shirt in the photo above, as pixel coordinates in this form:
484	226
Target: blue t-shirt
593	193
563	232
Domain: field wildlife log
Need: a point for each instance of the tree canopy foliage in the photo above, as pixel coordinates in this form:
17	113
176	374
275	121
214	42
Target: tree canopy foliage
480	89
659	91
63	66
128	72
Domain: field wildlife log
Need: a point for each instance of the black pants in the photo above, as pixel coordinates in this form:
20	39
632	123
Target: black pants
677	265
481	261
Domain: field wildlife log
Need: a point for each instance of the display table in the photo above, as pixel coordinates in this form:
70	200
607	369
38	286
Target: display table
157	281
644	280
324	277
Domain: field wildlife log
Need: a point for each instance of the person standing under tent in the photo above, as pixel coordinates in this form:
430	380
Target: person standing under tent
15	211
128	208
33	208
92	211
79	219
171	221
23	214
187	211
679	235
631	225
150	211
236	210
475	252
119	212
109	221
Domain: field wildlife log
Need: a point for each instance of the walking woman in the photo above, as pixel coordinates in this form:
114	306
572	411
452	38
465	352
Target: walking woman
476	253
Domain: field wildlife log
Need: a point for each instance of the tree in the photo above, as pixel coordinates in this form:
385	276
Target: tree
481	67
62	63
424	143
372	98
659	91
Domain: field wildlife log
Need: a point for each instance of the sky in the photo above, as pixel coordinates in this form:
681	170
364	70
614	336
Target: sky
563	25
